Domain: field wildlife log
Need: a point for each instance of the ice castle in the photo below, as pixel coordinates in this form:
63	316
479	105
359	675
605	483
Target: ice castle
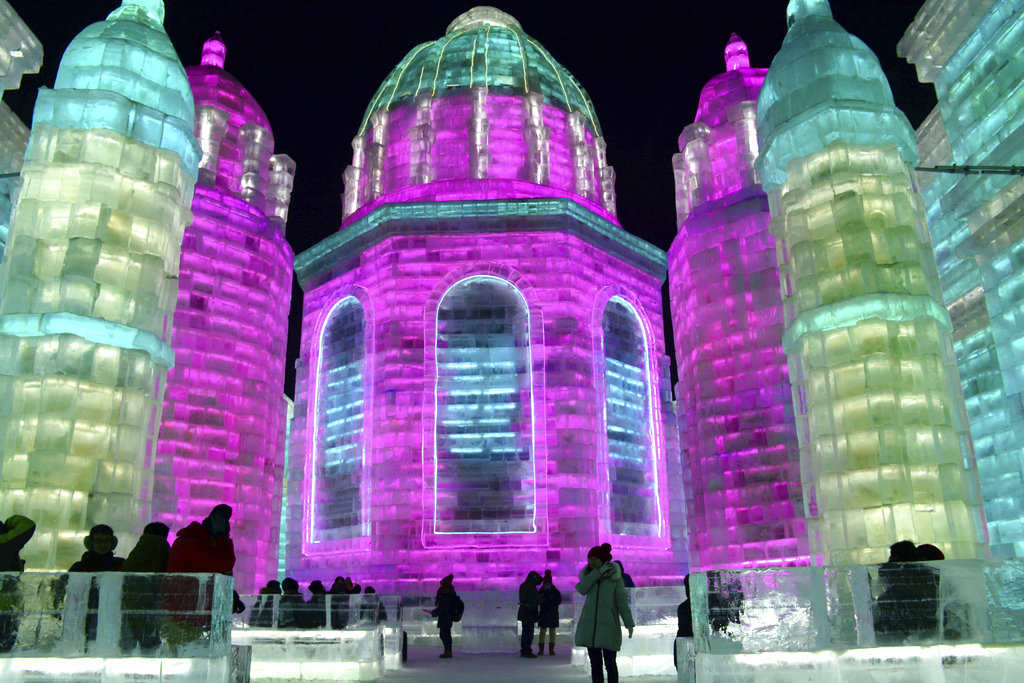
482	387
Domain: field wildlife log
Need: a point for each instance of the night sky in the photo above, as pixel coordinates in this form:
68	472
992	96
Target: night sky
313	65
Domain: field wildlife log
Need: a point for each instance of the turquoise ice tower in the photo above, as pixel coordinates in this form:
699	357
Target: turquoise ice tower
971	52
884	446
90	283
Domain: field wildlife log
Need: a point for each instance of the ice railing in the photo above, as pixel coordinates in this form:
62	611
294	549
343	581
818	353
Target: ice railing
329	637
807	609
115	615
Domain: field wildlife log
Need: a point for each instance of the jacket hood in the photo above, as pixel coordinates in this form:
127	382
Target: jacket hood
193	530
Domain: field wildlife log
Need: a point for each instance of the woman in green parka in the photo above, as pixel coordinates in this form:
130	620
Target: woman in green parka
599	628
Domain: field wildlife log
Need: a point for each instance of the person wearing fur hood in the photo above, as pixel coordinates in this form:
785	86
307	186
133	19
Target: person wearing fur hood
599	628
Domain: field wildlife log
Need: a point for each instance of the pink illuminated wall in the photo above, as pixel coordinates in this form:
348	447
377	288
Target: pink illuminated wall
744	502
222	435
470	431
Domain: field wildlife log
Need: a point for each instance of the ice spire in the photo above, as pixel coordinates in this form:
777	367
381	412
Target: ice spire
214	51
736	55
801	9
153	8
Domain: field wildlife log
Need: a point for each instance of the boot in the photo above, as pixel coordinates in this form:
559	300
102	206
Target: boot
447	654
551	648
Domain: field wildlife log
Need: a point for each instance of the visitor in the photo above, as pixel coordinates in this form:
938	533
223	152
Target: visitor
684	615
549	599
528	606
263	612
316	608
448	609
15	532
200	548
373	609
339	603
599	628
291	610
926	552
907	607
627	580
98	557
140	600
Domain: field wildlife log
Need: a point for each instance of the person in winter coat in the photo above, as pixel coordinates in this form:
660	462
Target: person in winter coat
200	548
316	608
599	629
550	598
98	557
263	613
684	615
15	532
444	609
140	594
528	612
340	603
292	610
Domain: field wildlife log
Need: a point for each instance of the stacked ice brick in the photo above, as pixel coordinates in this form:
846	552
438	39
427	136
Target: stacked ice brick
222	435
20	53
466	331
744	502
885	449
90	282
970	51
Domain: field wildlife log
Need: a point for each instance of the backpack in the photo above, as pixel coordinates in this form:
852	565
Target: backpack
460	608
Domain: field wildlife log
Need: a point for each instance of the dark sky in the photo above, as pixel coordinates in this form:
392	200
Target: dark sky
314	65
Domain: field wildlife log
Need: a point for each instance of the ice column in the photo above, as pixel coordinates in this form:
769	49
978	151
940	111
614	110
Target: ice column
20	53
90	283
884	445
744	503
222	436
970	51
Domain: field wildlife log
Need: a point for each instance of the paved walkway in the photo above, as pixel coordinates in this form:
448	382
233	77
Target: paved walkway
424	666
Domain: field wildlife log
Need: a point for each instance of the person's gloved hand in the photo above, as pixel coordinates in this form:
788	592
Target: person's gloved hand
237	606
630	632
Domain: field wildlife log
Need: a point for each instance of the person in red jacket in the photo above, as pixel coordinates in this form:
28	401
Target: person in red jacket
200	548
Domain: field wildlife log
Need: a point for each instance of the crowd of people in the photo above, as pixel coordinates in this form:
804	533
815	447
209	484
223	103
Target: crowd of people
334	608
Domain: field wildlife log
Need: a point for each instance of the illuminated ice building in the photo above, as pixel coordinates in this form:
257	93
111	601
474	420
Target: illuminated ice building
884	443
744	501
482	387
222	434
971	52
89	283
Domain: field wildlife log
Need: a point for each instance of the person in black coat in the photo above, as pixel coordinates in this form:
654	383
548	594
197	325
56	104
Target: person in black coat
549	598
684	614
98	557
15	532
528	612
444	609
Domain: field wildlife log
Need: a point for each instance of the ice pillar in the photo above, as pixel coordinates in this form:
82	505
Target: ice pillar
884	445
744	503
222	437
970	52
90	280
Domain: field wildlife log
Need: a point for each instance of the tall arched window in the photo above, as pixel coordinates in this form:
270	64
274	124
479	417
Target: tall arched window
484	476
337	509
629	421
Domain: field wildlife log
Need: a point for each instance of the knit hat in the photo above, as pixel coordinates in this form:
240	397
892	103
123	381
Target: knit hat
447	581
602	552
547	577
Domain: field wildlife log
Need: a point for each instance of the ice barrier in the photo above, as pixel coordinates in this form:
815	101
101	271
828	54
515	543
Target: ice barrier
107	627
959	620
323	638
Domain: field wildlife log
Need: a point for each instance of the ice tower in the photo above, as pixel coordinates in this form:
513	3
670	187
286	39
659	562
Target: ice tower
222	436
20	53
971	52
482	386
744	503
884	444
90	280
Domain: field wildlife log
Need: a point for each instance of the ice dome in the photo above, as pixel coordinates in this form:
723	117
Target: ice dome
129	55
214	86
482	112
824	85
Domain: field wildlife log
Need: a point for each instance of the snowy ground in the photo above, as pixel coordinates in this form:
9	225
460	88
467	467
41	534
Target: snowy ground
424	666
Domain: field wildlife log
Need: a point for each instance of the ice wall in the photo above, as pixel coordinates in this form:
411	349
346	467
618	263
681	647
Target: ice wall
20	53
969	50
744	502
90	282
222	433
885	449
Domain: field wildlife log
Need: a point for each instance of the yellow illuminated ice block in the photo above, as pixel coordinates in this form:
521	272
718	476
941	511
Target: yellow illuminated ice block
885	449
90	284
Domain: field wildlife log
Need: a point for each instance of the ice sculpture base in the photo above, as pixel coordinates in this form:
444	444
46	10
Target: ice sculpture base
284	656
115	670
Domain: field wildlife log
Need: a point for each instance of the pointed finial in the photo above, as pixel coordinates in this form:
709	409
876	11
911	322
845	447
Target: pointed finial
214	51
154	8
736	55
799	9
